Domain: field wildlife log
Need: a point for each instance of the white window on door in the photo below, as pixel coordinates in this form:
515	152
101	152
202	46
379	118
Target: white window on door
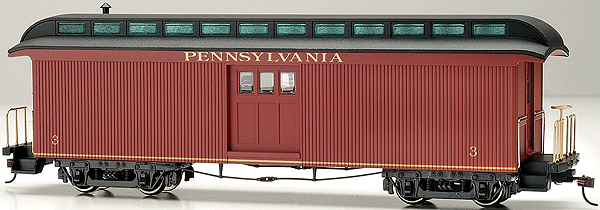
288	82
246	82
267	82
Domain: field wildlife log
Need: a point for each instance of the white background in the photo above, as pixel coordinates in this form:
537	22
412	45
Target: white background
577	21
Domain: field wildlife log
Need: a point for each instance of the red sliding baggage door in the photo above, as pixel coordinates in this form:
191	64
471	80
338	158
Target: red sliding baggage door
264	111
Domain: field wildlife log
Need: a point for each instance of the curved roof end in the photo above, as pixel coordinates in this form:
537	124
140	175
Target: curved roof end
560	52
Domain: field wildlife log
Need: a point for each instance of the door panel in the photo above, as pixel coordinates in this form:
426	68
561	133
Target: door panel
245	123
291	114
264	109
267	121
526	95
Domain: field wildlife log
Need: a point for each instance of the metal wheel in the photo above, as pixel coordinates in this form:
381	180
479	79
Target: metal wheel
158	187
85	189
409	201
178	176
412	201
499	192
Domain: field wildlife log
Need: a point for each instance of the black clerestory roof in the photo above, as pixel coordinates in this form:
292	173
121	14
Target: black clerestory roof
523	35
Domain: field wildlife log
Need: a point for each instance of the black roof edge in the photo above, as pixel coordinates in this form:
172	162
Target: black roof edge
520	52
551	37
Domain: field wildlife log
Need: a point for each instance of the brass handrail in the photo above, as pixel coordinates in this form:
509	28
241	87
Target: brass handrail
558	139
571	128
16	109
524	118
543	113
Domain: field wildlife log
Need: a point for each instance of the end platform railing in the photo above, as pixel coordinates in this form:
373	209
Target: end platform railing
15	110
564	138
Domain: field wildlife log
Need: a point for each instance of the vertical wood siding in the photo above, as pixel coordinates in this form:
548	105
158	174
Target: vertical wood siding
412	117
153	111
381	116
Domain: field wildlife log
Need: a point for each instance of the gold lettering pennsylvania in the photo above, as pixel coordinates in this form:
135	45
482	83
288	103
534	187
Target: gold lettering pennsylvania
263	56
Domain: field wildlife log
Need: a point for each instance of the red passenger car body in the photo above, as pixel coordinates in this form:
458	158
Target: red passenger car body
391	110
455	97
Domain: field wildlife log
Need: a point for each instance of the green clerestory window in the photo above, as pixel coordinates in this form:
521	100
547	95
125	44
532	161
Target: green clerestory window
107	28
330	29
409	29
449	29
216	29
489	29
369	29
142	28
71	28
179	29
253	29
291	29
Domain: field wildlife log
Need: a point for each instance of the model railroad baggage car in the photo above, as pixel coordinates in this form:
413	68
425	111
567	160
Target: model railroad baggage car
446	106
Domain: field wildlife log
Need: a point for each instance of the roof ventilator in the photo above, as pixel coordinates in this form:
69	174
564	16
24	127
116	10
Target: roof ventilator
105	7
